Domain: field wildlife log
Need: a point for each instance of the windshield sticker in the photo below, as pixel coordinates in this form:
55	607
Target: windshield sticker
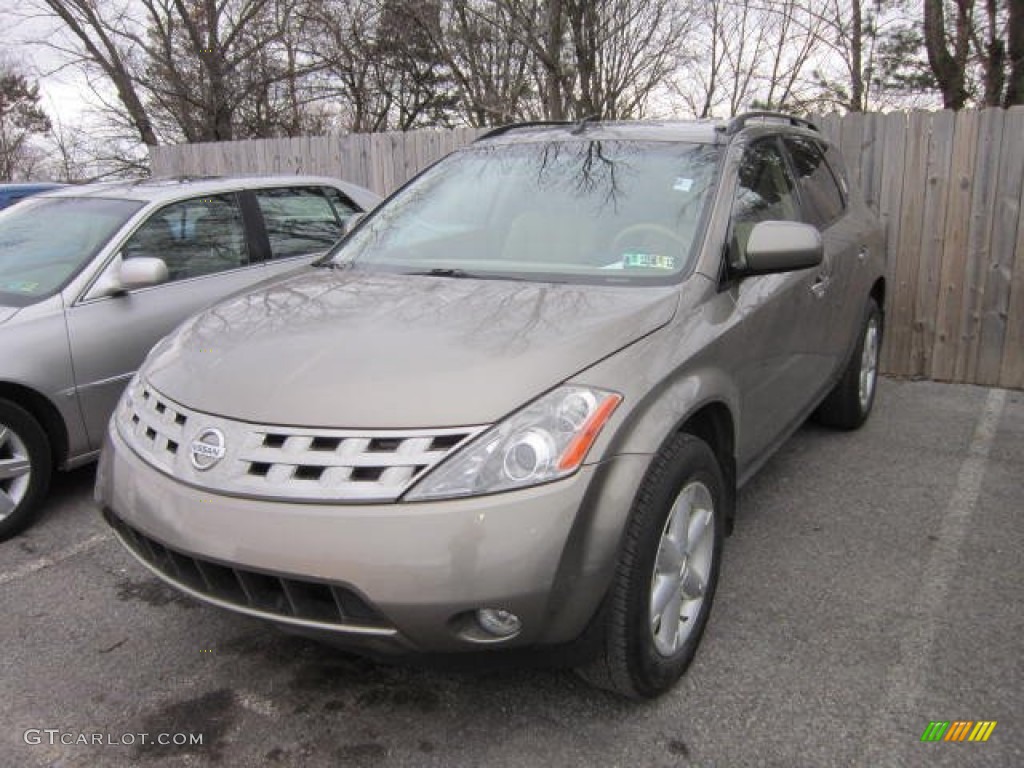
21	286
683	185
648	261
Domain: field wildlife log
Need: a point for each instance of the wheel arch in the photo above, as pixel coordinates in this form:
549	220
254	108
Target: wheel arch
42	409
713	423
878	294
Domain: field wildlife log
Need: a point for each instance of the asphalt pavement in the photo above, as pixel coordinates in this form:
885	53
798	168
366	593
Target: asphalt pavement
873	585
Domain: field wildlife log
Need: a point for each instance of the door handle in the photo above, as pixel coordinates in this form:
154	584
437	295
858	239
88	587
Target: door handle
820	286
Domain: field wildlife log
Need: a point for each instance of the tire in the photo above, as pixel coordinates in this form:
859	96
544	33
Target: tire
849	404
25	467
639	655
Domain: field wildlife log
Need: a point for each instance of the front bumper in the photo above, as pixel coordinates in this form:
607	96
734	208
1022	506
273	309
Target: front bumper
404	577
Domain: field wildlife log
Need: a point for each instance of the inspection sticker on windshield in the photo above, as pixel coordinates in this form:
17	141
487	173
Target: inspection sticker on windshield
648	261
683	185
20	286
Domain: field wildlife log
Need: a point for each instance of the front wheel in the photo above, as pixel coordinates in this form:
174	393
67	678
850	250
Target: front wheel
24	468
661	597
849	404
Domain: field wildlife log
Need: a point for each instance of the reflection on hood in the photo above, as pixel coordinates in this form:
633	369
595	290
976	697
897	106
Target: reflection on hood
395	351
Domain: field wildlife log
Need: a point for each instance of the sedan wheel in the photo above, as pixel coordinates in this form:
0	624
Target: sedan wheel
24	468
15	471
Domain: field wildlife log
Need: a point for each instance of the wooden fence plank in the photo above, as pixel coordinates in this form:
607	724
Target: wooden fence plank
869	163
1012	369
986	178
890	204
936	194
1006	212
954	251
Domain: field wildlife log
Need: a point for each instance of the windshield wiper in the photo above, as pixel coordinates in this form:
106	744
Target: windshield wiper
443	272
328	262
458	273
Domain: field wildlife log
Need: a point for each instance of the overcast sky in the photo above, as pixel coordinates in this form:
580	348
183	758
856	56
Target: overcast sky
63	92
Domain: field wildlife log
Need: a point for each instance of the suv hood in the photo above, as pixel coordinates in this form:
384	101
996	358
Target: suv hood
6	313
372	350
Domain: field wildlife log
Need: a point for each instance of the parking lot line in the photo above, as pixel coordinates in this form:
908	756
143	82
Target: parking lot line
904	685
47	560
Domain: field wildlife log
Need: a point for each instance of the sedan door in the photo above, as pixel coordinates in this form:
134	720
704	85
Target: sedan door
206	245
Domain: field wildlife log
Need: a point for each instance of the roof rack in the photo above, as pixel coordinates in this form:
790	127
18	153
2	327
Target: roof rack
581	126
740	121
516	126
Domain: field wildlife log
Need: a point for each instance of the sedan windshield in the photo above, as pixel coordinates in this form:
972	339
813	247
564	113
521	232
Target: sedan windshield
567	211
44	242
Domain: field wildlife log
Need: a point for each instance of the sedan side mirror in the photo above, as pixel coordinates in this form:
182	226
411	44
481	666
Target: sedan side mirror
123	275
142	272
782	246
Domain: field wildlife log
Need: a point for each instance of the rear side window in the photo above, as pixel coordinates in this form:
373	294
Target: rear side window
301	221
820	195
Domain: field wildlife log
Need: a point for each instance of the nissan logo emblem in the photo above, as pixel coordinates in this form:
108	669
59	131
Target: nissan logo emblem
207	449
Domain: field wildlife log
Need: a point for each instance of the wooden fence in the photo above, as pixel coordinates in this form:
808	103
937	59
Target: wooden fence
949	188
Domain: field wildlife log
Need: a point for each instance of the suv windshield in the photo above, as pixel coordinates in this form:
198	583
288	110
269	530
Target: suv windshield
574	211
44	242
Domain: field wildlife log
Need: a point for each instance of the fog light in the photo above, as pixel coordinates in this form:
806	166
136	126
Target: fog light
498	622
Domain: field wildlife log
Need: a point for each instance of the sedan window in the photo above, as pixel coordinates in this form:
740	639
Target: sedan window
300	221
195	237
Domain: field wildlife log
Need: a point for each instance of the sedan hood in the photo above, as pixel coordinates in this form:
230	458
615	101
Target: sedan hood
6	313
369	350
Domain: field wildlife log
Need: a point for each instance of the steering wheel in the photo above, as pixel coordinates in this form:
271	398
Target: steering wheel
646	227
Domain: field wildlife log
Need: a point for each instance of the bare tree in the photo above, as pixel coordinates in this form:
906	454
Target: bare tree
21	118
490	69
752	54
199	70
379	60
949	63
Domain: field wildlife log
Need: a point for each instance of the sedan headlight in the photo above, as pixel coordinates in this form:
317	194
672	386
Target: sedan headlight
544	441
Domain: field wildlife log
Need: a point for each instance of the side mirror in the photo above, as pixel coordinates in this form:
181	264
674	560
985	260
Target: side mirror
128	274
351	222
782	246
141	272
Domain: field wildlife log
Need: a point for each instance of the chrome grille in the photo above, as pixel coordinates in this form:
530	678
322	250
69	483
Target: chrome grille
283	462
153	425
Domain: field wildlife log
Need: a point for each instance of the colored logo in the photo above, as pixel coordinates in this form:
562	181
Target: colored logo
207	449
958	730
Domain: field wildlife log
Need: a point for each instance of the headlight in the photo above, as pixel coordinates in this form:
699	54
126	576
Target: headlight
126	405
546	440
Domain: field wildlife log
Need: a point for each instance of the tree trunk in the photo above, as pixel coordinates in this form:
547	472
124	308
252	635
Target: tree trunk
1015	35
948	67
555	37
856	58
